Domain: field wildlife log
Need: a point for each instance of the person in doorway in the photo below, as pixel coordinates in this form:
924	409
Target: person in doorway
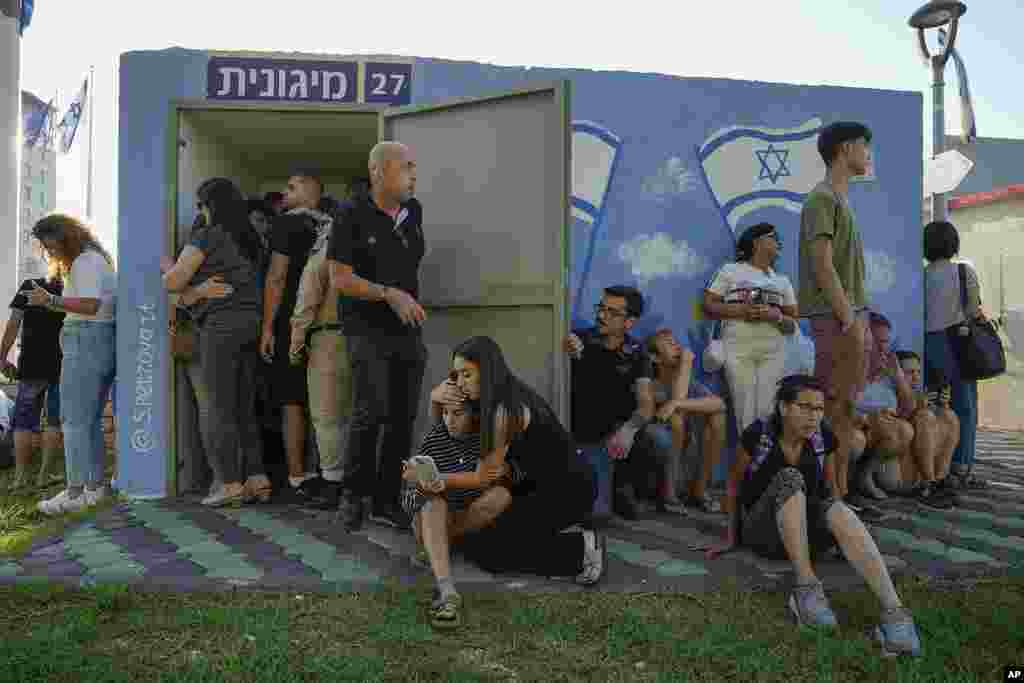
944	324
784	508
225	245
679	401
832	292
319	344
38	377
374	253
445	510
758	307
291	241
613	398
522	441
87	342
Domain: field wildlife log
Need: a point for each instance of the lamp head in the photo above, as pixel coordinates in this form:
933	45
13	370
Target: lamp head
937	13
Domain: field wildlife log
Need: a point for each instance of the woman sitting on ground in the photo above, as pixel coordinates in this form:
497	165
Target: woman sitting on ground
518	426
444	510
679	399
783	508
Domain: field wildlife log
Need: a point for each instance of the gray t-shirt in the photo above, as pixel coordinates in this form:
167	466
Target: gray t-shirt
223	258
942	295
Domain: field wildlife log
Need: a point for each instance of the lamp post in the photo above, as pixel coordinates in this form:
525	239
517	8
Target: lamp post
936	14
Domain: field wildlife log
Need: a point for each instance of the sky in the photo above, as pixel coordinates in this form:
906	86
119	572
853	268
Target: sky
789	41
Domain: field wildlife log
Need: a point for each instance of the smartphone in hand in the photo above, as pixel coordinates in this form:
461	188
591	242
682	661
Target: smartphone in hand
426	469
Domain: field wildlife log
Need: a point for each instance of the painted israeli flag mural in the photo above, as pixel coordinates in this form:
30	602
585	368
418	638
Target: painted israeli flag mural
752	168
595	150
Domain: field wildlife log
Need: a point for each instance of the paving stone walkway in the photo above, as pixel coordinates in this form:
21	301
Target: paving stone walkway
180	545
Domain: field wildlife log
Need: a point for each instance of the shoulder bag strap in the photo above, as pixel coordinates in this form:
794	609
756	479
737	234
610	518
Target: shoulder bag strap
962	272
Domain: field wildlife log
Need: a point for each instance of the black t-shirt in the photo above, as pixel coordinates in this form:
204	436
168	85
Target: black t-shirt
767	458
381	249
546	453
40	334
604	385
292	236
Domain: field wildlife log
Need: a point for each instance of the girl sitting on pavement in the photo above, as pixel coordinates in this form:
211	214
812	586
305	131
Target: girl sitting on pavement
783	508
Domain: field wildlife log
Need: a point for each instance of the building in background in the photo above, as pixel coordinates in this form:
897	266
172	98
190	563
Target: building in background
38	180
988	211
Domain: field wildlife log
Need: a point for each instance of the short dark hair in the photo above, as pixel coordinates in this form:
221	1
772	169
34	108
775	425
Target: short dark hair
875	318
745	245
634	299
907	355
310	175
835	134
941	241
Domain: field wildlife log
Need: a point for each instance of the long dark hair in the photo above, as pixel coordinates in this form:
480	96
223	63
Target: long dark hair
229	209
789	389
73	237
499	387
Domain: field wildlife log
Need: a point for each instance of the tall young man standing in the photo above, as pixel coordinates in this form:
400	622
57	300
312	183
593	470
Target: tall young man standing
374	254
832	292
291	240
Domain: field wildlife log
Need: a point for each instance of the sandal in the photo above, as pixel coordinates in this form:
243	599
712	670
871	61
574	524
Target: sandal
257	489
225	497
446	615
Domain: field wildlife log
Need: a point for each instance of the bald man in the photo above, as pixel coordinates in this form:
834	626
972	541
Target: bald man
375	250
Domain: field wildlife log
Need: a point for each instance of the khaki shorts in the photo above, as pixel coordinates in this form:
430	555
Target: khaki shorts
830	354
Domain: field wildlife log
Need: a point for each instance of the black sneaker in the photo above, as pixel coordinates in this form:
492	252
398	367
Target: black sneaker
392	516
624	503
927	494
946	487
352	513
327	498
308	490
865	510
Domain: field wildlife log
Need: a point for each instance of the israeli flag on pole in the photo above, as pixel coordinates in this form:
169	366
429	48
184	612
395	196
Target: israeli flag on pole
595	155
69	124
969	131
747	169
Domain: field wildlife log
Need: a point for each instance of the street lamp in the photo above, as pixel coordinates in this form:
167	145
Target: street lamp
936	14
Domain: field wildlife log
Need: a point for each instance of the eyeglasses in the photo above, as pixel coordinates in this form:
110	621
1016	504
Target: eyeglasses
810	407
613	313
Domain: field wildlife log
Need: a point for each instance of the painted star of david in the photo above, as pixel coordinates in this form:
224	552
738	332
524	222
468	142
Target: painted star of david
781	158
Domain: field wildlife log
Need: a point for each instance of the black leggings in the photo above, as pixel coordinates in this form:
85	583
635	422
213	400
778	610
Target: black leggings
527	537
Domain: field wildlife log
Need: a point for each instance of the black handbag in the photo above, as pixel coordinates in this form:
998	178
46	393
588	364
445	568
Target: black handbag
978	347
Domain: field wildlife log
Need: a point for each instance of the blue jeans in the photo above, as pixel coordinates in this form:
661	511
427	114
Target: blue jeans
942	367
86	377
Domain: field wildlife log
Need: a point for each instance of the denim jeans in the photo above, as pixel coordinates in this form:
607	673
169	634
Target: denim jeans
941	366
86	377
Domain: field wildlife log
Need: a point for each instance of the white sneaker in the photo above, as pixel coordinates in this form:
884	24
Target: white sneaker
62	503
595	559
95	496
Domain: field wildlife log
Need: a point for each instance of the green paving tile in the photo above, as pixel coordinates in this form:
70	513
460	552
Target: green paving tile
235	570
931	524
117	572
9	569
680	568
962	555
349	570
887	535
646	558
206	547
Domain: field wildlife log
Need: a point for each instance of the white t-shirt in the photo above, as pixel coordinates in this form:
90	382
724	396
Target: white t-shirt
92	277
742	283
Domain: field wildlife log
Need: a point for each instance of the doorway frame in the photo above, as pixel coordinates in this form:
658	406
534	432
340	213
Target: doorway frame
175	109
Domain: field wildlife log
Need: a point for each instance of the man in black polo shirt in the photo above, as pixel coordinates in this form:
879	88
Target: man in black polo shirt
612	394
38	374
375	251
291	239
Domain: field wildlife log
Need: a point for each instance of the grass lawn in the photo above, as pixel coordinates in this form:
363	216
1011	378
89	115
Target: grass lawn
20	521
113	634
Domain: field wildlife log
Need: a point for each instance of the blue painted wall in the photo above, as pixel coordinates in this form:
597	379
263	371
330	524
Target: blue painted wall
661	227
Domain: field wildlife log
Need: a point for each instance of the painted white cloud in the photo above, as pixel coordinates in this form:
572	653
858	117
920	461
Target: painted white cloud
672	178
879	271
654	256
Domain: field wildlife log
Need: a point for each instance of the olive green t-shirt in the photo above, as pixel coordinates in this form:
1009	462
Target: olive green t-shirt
825	215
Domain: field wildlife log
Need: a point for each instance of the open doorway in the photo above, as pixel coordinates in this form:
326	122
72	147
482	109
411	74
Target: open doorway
258	148
493	177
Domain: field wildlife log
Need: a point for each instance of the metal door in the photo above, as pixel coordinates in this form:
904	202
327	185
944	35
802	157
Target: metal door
493	178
